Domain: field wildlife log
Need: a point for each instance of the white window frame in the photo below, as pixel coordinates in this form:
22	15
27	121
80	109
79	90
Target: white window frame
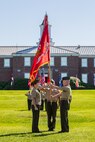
84	77
27	61
63	74
26	75
51	61
94	62
84	62
6	63
63	61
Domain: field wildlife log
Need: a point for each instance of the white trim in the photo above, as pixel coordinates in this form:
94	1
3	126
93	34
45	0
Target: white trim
6	63
52	61
64	74
27	61
85	79
84	62
64	61
93	62
26	75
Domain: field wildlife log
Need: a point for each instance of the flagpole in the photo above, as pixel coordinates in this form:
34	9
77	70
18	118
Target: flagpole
49	68
49	75
49	71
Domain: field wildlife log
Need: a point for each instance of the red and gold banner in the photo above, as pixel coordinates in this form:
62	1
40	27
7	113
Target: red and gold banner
42	56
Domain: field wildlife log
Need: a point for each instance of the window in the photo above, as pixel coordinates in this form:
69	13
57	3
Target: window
84	62
51	61
26	75
84	78
6	62
94	62
63	61
63	74
94	79
26	61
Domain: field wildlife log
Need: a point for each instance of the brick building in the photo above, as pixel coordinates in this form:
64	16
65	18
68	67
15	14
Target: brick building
79	61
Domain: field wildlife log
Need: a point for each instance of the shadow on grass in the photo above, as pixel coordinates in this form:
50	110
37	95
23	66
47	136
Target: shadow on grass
42	133
45	134
23	110
15	134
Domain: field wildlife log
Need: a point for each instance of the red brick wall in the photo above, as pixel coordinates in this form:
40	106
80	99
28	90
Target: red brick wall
73	68
5	72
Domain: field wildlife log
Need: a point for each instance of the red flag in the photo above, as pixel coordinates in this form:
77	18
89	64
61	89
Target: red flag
42	56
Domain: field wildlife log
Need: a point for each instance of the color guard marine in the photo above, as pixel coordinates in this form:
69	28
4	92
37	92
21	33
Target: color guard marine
36	103
65	100
51	104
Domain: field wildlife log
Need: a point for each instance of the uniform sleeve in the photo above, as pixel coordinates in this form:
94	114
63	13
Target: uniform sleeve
70	99
64	89
33	94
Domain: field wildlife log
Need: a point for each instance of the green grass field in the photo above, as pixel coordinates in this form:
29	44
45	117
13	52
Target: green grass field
15	119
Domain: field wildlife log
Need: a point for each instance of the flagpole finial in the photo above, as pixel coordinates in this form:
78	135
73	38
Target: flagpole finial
46	14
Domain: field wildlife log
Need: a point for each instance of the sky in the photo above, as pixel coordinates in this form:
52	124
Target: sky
73	22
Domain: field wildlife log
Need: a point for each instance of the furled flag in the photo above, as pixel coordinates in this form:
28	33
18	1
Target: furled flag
42	56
